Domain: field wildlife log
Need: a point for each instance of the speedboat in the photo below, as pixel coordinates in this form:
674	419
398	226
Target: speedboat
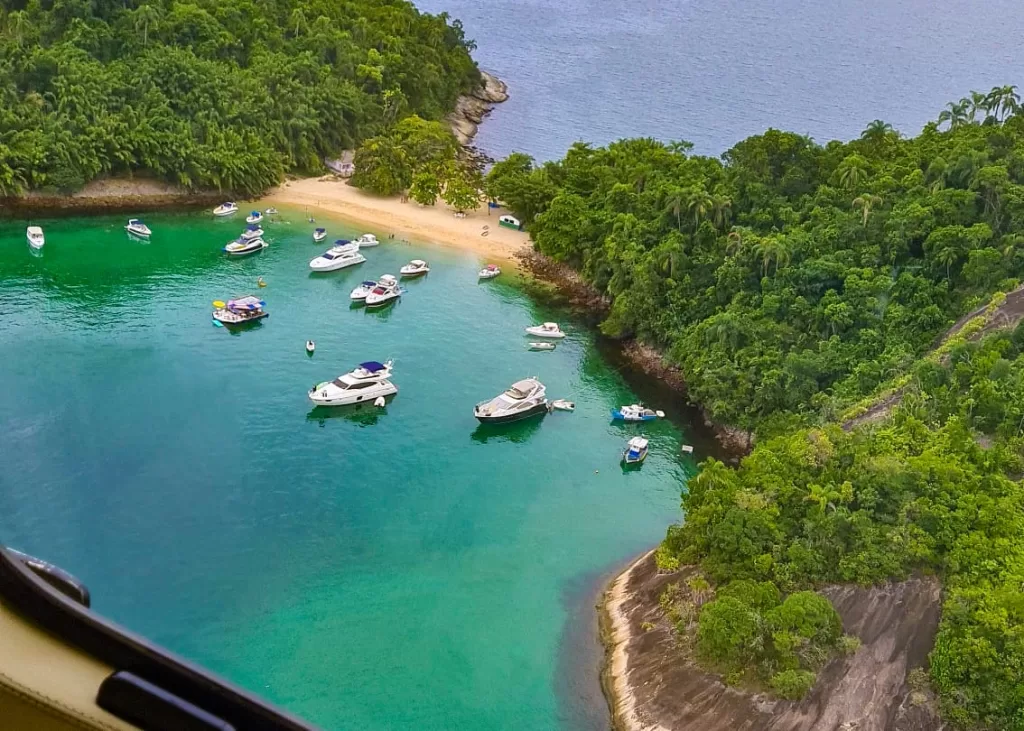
254	217
523	399
240	311
563	405
366	383
271	211
489	272
319	235
138	228
386	291
242	247
415	268
541	346
225	209
34	234
252	231
636	412
342	254
547	330
636	451
360	293
367	240
310	347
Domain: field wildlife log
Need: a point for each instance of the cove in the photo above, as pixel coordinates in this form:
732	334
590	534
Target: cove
397	569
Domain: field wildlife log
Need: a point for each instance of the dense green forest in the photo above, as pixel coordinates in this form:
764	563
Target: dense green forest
788	279
793	283
212	94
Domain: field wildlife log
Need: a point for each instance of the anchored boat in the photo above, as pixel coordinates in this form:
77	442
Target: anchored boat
521	400
636	451
636	412
225	209
240	311
34	234
366	383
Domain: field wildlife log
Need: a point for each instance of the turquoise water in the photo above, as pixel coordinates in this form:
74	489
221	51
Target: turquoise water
394	569
716	71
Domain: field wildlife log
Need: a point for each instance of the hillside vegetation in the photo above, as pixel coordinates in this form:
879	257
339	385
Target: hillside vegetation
210	94
795	284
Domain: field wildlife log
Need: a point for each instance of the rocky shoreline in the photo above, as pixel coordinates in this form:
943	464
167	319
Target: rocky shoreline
643	357
470	109
109	195
652	685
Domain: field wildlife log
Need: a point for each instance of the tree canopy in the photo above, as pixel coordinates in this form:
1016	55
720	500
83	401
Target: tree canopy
209	94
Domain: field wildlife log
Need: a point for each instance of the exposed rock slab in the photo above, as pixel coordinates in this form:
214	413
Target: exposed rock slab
653	687
471	108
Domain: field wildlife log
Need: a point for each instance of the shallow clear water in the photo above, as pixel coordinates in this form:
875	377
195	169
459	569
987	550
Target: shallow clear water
396	569
716	71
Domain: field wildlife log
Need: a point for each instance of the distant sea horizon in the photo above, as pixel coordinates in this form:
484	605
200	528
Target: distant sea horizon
714	72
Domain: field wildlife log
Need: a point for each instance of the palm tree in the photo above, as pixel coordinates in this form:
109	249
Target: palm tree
978	102
772	249
675	201
734	242
699	203
721	210
1003	99
956	114
877	131
146	16
298	19
948	257
17	20
865	203
852	171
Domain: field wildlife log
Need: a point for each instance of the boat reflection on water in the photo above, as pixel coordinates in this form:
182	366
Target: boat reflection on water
244	327
516	431
360	414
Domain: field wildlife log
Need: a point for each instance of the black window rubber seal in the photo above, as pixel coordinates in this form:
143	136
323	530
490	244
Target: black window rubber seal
73	624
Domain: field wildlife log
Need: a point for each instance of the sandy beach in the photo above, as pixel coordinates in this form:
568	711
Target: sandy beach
434	224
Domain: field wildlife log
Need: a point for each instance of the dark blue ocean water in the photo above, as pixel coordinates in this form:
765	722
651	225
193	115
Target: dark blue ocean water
716	71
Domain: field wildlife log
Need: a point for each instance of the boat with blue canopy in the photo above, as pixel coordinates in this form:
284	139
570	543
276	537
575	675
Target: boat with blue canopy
636	451
254	217
636	412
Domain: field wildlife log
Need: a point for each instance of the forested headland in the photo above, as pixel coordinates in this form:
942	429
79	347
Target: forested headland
794	284
212	95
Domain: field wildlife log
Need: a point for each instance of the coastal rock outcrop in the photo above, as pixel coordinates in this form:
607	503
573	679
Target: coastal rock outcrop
653	686
471	108
110	195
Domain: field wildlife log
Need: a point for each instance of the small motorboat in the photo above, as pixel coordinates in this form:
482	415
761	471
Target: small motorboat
367	240
35	237
225	209
240	311
541	346
489	272
319	235
387	291
523	399
252	231
242	247
636	451
254	217
271	211
636	412
563	405
137	228
547	330
342	254
366	383
415	268
310	347
360	293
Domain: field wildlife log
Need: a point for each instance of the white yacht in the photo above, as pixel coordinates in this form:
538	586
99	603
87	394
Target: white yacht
243	247
360	293
368	382
415	268
367	240
387	290
547	330
489	272
34	234
342	254
137	228
225	209
319	234
252	231
523	399
254	217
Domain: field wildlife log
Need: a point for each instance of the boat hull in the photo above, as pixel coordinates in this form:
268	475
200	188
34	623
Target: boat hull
365	396
222	214
35	243
619	416
541	408
246	251
629	459
336	264
544	334
138	232
413	275
226	322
